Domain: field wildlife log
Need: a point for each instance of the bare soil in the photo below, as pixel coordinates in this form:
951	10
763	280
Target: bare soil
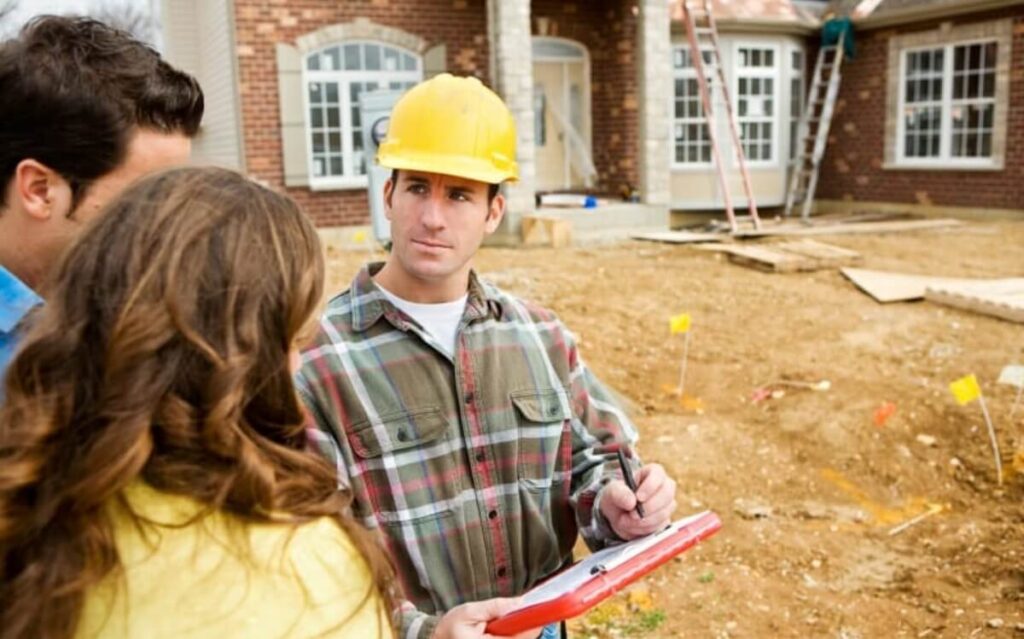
807	485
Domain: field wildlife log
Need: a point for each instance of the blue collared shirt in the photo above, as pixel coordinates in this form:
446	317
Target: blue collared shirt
16	300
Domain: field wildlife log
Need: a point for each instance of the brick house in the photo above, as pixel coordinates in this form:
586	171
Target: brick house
605	97
931	110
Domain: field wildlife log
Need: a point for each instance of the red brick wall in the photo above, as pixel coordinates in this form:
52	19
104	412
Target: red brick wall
608	29
852	167
460	24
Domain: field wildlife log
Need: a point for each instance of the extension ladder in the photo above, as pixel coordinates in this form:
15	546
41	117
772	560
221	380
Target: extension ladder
703	36
812	133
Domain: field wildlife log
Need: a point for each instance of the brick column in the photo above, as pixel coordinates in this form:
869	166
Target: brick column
508	27
655	83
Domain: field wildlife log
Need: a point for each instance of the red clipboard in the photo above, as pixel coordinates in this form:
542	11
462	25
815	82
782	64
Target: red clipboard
604	583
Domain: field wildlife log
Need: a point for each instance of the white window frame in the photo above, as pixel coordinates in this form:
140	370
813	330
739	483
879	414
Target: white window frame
773	73
687	73
800	100
945	158
344	79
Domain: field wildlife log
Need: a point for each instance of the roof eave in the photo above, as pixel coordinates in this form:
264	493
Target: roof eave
920	14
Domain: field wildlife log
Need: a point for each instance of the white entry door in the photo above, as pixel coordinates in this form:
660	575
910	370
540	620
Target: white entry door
561	104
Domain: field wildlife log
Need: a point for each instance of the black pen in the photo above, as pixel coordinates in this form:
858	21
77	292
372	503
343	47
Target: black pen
627	476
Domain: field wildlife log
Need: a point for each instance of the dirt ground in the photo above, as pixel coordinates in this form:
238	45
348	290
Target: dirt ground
807	485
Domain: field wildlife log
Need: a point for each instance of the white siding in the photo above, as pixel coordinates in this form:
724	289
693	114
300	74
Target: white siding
199	38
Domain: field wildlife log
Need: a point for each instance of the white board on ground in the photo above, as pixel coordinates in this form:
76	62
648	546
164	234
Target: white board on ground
886	286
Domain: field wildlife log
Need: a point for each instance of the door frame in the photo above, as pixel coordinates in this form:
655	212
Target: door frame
586	105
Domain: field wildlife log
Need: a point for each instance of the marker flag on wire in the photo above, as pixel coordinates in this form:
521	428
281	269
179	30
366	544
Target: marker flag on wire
359	237
679	323
965	389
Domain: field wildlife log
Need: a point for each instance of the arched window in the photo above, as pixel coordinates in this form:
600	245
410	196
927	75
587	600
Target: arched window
334	78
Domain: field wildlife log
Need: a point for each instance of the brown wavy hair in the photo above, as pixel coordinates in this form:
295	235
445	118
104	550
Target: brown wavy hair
162	355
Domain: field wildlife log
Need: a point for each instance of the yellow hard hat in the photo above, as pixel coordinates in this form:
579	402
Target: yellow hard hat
454	126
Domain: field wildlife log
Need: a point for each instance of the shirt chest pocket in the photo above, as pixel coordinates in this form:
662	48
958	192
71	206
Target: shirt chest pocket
396	432
544	441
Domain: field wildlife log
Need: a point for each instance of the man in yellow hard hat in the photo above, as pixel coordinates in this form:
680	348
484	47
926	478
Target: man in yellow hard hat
461	418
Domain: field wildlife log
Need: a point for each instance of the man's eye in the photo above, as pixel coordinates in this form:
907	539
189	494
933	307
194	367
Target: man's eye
460	196
417	188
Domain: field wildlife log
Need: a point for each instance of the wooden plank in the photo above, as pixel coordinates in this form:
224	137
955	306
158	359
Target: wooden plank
825	254
768	259
998	298
849	229
546	231
677	237
886	286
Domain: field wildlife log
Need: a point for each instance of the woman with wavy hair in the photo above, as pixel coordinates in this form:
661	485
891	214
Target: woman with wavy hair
153	473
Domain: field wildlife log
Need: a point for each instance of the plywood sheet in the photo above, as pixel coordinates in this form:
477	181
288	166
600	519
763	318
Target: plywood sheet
677	237
786	257
886	286
848	229
997	298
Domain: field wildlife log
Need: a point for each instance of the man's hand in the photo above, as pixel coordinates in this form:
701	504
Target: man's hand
469	620
655	490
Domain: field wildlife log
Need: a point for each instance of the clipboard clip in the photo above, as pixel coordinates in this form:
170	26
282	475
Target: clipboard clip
599	569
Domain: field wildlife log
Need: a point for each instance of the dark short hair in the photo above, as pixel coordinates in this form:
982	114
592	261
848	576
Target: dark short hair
72	89
492	189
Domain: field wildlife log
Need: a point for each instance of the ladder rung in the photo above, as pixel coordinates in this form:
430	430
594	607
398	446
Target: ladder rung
704	31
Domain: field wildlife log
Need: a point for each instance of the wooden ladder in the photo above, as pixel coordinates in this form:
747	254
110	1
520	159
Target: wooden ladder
702	34
812	132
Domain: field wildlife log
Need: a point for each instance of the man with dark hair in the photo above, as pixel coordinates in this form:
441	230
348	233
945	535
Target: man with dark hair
85	109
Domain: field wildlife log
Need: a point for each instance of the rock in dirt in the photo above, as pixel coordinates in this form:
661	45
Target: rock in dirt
995	623
751	509
927	440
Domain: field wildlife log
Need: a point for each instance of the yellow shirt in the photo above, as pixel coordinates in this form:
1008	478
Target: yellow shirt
222	577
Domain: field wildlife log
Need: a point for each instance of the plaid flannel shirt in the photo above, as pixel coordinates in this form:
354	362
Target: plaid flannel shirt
478	470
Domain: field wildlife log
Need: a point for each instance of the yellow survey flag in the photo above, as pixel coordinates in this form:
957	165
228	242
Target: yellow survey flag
679	323
359	237
965	389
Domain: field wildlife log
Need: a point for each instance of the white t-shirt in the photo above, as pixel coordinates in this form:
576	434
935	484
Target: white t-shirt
440	320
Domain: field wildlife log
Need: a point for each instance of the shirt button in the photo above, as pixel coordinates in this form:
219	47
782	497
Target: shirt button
403	436
480	457
492	514
502	571
469	397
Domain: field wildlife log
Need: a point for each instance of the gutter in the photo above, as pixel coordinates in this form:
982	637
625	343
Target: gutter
934	11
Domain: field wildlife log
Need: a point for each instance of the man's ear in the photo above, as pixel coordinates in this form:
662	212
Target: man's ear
389	190
39	190
495	212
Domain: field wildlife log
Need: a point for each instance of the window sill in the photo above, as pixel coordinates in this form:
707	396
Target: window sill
941	166
348	184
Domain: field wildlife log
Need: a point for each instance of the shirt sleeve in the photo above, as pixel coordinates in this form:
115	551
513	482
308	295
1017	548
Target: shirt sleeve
599	427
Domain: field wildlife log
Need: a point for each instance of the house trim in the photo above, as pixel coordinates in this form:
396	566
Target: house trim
932	12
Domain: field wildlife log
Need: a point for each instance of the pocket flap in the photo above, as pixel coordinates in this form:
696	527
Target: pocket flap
541	406
397	431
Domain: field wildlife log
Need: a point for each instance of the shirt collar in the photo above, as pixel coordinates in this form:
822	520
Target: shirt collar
368	304
16	300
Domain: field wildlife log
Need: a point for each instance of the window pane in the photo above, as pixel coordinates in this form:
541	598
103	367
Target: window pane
372	60
316	117
408	62
336	165
331	88
313	62
318	143
331	59
390	59
352	59
333	117
314	93
334	142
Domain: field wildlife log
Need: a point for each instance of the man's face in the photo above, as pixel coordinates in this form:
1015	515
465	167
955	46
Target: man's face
437	224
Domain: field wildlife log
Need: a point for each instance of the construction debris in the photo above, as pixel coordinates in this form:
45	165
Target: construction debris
787	257
546	231
998	298
886	286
